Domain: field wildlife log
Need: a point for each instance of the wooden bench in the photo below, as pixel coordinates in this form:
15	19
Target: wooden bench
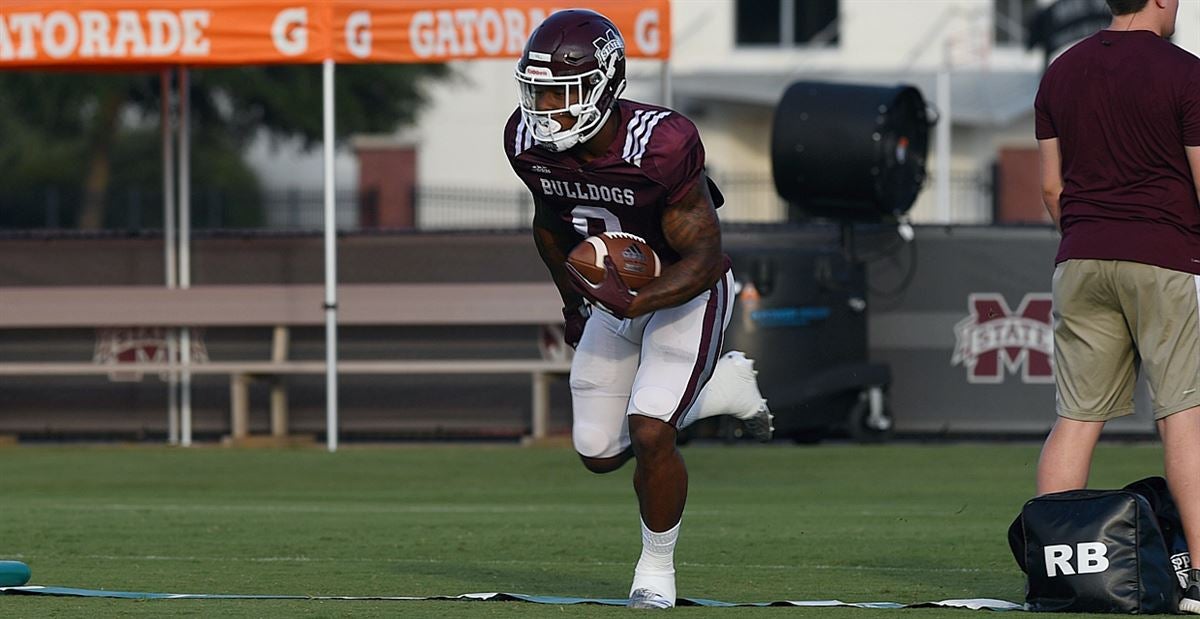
281	307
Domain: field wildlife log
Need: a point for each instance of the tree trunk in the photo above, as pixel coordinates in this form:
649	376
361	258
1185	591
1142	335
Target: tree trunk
95	186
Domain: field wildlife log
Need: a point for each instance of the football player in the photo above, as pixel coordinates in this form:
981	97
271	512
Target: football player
646	363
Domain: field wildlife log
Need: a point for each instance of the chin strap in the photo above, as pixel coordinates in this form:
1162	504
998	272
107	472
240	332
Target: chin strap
567	142
591	133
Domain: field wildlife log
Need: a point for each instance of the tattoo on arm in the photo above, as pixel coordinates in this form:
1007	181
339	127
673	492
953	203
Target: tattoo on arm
692	229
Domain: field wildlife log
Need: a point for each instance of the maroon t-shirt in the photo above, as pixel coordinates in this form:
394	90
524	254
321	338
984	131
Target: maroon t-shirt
656	159
1123	105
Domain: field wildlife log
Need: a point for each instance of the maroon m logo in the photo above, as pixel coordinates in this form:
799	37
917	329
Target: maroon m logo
994	339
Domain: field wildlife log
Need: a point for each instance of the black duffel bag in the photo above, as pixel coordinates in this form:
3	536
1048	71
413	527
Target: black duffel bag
1096	551
1156	493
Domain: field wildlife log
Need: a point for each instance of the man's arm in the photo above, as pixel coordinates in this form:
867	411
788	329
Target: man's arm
1193	155
691	228
1052	183
554	240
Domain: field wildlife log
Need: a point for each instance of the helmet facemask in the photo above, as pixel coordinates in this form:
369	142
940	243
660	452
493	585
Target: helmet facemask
582	96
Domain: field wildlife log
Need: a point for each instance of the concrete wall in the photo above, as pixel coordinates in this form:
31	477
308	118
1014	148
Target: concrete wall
919	304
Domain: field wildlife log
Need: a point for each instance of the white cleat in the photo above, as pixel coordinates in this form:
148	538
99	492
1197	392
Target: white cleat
759	423
645	598
734	389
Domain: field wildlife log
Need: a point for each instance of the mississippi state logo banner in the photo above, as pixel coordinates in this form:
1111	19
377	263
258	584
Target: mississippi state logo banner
146	33
994	341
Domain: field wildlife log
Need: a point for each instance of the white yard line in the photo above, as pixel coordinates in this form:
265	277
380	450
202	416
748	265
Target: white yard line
343	508
532	563
433	508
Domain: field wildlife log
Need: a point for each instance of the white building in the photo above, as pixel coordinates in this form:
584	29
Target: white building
731	61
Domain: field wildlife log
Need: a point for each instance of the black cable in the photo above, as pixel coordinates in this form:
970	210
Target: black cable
905	281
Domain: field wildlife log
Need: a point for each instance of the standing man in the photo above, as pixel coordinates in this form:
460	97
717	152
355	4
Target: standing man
1118	127
642	360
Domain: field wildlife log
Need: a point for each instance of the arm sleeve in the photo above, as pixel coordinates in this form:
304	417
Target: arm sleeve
1190	108
1043	121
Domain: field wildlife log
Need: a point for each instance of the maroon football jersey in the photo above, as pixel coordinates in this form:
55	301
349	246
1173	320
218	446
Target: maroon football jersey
656	159
1123	105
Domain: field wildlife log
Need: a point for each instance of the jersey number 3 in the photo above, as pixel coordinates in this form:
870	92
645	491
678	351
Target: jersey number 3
592	220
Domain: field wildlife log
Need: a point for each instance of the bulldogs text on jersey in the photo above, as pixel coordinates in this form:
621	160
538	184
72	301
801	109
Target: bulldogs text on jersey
655	160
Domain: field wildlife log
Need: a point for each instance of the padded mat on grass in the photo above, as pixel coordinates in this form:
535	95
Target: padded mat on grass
973	604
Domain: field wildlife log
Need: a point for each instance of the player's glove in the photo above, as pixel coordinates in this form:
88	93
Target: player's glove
610	295
574	319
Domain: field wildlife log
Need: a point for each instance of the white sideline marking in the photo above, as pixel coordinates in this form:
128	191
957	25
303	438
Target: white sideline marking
433	509
723	566
343	509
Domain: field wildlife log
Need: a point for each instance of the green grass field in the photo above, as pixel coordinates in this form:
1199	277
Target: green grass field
903	523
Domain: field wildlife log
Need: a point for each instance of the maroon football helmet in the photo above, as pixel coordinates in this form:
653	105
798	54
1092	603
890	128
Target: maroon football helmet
573	63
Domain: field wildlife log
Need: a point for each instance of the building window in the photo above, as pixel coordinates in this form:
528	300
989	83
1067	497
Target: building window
787	23
1011	19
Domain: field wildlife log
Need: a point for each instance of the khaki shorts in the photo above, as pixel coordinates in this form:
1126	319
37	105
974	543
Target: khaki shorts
1110	317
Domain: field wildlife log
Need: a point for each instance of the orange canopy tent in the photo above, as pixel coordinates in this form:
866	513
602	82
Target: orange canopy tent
164	34
124	33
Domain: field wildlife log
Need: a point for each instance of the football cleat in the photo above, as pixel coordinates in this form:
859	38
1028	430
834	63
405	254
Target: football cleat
733	390
645	598
759	423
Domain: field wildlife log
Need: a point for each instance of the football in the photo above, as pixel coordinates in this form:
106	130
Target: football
635	261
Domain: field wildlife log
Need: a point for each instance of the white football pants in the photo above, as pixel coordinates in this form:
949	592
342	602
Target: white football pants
654	365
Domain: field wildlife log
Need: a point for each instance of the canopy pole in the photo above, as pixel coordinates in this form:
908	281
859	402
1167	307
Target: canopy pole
331	374
942	136
665	82
185	253
168	181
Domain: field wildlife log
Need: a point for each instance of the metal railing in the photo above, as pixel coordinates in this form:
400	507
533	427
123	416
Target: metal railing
449	208
748	198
